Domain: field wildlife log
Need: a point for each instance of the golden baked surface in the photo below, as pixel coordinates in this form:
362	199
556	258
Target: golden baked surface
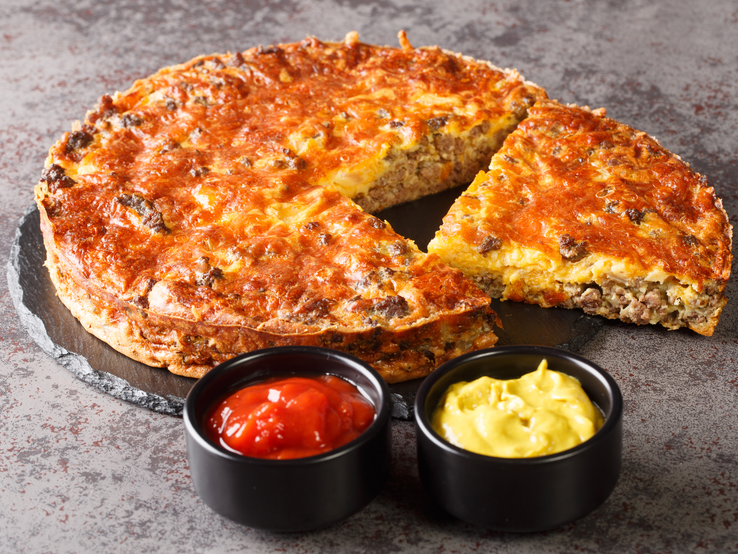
205	212
578	210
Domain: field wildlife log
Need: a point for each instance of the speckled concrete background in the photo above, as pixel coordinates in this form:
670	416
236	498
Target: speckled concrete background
82	472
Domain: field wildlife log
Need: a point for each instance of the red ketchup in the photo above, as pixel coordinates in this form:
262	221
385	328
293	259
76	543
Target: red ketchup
290	417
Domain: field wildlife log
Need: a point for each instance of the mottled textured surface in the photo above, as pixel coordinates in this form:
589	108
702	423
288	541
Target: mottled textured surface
81	471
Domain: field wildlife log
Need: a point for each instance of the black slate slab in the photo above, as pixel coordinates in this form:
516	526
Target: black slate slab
60	335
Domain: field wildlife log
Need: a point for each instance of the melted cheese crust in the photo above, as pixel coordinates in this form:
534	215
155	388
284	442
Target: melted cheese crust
580	210
205	212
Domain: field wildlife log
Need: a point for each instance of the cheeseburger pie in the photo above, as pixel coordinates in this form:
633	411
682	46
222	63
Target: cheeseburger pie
223	205
578	210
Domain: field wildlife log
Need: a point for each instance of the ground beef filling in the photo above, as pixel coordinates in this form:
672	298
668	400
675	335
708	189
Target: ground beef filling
441	161
655	304
649	304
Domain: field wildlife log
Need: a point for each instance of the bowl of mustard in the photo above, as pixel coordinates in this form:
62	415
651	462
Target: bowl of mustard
519	438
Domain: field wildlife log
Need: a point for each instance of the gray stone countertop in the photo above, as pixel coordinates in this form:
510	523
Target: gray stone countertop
82	472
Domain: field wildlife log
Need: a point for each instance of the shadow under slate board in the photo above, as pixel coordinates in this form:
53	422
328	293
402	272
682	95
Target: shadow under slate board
59	334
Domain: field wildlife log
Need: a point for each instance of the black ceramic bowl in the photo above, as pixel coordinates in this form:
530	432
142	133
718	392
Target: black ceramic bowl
520	494
288	495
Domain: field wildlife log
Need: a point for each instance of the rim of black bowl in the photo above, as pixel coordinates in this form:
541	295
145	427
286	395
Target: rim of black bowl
611	418
383	410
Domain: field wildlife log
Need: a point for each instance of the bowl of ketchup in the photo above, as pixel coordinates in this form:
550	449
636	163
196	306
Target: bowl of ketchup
289	438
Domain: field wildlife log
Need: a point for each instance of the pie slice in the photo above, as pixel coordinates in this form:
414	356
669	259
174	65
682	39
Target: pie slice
580	211
218	206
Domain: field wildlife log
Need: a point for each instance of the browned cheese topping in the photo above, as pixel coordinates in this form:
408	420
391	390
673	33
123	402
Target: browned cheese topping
571	182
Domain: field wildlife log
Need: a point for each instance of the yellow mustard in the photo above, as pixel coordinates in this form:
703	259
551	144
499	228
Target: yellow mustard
541	413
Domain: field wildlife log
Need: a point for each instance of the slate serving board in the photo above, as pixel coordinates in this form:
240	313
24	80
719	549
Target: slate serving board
59	334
